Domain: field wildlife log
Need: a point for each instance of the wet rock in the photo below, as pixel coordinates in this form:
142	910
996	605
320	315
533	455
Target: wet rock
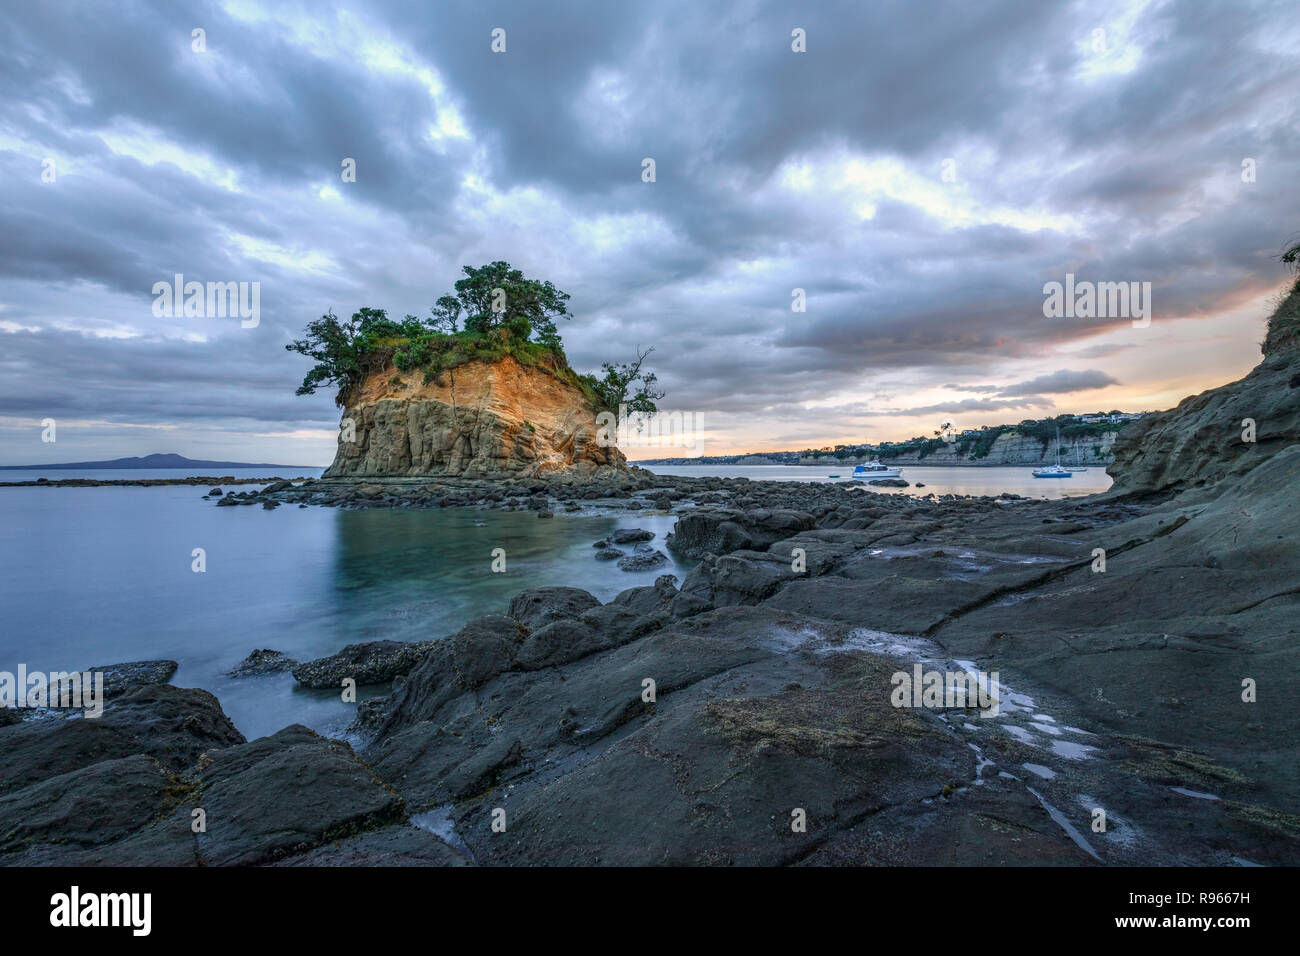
95	806
399	845
709	532
538	606
482	649
263	661
170	725
720	531
743	577
373	662
630	536
558	643
642	561
120	678
748	728
287	793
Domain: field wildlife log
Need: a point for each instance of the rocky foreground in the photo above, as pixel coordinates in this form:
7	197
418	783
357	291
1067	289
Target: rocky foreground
1145	642
771	696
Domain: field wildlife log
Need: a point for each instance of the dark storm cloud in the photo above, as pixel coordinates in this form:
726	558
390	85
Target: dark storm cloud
1054	383
775	171
977	405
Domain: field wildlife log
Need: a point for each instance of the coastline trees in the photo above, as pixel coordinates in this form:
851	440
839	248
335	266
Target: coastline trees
494	311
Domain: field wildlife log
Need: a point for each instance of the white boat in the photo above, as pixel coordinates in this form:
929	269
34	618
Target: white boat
1054	471
874	469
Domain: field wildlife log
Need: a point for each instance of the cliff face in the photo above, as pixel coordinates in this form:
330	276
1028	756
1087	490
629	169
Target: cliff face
1199	442
484	421
1012	448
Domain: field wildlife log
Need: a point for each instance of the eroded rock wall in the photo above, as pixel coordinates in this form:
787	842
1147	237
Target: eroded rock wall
482	421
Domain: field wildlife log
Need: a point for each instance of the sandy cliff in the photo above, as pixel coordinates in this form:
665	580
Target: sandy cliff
483	421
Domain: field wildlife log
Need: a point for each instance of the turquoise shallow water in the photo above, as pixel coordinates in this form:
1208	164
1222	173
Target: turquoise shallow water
92	576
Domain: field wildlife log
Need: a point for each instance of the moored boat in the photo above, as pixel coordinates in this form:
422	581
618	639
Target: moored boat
874	469
1054	471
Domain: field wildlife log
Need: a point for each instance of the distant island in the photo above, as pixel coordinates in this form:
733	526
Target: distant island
149	461
1084	439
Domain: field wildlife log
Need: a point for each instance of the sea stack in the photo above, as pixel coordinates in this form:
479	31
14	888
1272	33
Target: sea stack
480	420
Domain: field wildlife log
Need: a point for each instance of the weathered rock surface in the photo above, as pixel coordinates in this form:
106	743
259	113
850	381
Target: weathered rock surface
483	420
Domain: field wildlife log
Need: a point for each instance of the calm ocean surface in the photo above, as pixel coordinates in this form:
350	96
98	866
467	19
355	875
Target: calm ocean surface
92	576
993	480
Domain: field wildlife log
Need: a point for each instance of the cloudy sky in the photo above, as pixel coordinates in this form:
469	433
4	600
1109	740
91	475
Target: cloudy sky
921	171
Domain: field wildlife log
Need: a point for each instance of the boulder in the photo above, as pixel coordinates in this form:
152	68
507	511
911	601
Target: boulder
723	530
538	606
643	560
287	793
263	661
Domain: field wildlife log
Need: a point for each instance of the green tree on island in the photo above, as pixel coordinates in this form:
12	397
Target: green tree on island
495	311
618	380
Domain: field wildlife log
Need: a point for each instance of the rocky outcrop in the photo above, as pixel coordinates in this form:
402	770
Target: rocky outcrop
125	789
483	420
1207	438
721	530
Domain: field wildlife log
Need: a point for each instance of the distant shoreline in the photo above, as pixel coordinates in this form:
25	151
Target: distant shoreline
210	480
891	462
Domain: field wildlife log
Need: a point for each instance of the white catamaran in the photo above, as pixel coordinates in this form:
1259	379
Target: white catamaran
1054	471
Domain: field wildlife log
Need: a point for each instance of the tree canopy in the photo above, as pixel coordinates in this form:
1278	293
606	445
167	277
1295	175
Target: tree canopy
615	387
494	311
